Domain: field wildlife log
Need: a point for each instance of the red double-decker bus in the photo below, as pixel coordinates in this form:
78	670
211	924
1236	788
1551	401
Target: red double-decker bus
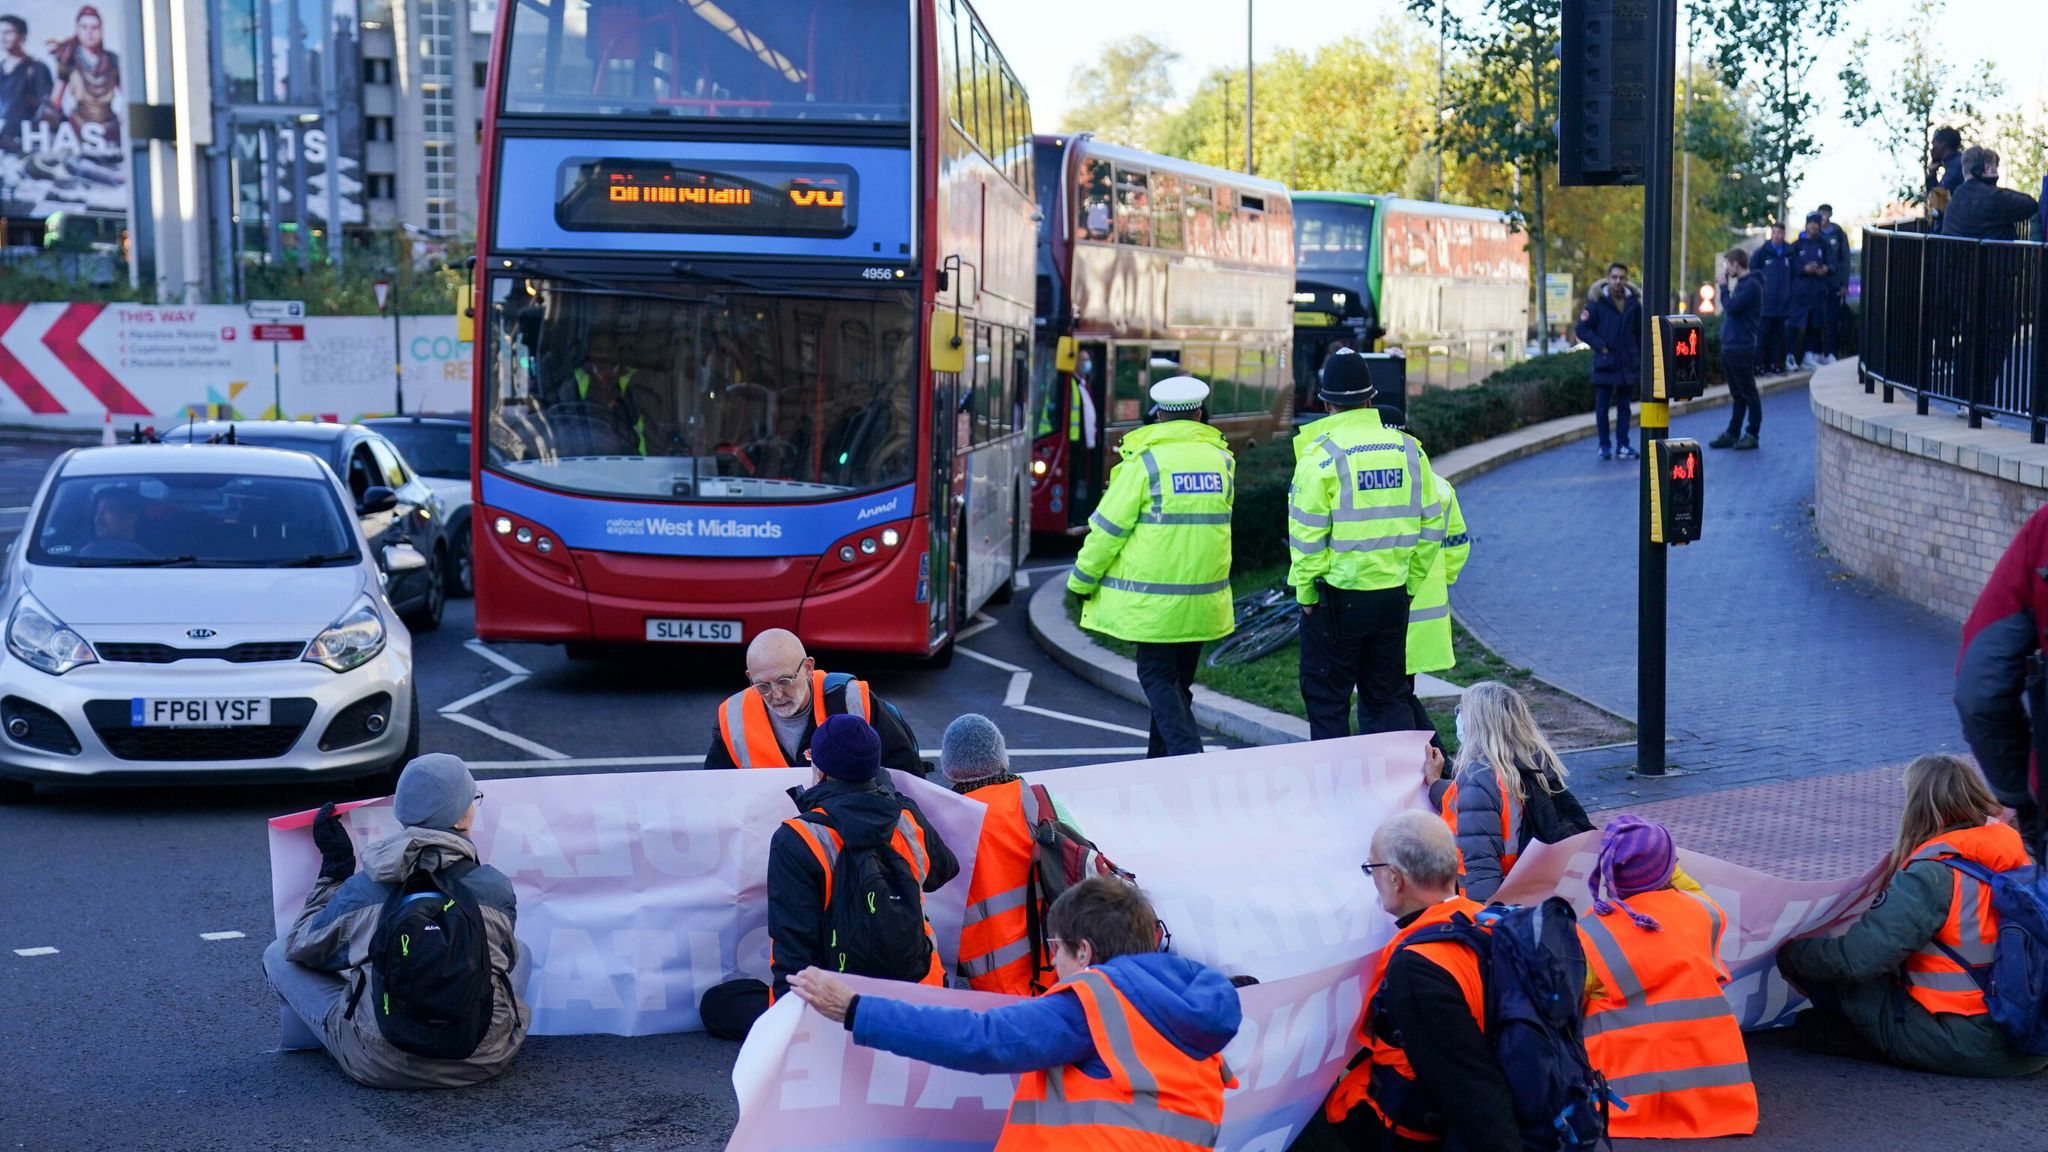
753	321
1150	267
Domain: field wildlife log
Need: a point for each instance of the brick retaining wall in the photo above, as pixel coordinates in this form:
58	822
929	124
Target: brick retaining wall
1920	505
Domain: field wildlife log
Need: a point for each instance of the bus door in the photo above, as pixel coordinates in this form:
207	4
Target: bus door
1087	457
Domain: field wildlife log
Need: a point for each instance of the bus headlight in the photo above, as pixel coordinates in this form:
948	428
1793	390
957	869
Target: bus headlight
846	553
1038	468
867	545
502	525
891	537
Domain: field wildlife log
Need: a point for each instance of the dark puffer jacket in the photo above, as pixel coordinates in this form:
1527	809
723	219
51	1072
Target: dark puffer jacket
1981	210
1616	336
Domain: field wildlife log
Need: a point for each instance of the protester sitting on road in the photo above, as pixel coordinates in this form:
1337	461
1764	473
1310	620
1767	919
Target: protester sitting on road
1164	1020
1657	1025
394	1013
996	953
1980	209
770	723
1427	1075
1508	782
819	887
1891	988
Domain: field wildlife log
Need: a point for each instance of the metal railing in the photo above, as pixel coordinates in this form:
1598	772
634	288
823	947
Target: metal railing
1957	320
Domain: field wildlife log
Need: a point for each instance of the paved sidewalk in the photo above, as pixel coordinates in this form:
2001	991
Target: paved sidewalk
1782	666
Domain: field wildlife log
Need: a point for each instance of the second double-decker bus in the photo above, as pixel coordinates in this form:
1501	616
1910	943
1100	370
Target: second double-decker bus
752	321
1446	284
1150	267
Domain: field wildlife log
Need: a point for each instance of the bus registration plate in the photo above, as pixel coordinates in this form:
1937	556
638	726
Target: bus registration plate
694	631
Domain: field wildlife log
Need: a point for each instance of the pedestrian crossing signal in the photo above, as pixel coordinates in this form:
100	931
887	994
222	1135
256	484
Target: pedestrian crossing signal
1677	491
1679	372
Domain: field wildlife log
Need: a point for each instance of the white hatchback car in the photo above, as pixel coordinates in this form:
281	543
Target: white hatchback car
204	608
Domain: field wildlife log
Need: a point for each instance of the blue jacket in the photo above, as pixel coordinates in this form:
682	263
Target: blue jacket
1616	335
1838	254
1190	1004
1771	264
1741	310
1811	290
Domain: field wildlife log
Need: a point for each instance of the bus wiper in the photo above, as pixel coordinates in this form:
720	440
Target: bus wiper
608	287
317	560
143	562
687	269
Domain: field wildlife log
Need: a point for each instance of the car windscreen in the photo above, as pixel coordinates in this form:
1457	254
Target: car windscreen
192	520
437	450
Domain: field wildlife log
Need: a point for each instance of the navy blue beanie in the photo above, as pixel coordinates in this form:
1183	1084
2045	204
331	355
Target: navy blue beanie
847	748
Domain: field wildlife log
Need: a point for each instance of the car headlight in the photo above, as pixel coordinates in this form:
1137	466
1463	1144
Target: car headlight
351	640
39	639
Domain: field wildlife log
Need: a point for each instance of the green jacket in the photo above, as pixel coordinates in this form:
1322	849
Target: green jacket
1429	615
1155	567
1360	511
1861	968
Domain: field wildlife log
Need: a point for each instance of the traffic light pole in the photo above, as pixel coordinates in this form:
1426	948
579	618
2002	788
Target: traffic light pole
1656	414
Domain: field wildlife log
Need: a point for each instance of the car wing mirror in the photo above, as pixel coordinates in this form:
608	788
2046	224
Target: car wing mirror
375	500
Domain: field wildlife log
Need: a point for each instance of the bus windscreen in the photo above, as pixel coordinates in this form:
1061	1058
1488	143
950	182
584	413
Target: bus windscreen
761	59
1331	236
648	195
700	395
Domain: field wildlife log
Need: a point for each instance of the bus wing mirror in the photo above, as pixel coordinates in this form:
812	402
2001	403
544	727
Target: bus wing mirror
465	304
949	352
1067	355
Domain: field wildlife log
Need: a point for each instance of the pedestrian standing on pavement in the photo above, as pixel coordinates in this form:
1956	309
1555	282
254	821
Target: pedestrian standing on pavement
769	724
1944	169
1810	293
1741	303
1507	788
459	1020
1836	316
1124	1053
1891	988
1657	1025
1365	525
1427	1075
1612	323
1429	615
1772	266
1155	568
1980	209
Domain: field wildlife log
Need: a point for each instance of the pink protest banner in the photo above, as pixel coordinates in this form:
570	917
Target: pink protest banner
1763	912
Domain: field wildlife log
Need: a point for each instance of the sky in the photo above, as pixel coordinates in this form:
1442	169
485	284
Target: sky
1045	39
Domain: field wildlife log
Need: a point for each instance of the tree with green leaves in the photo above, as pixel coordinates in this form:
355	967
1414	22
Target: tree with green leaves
1767	48
1498	105
1926	89
1123	95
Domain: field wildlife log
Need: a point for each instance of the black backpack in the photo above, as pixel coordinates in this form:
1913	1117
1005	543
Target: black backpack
875	924
1535	976
429	974
1062	858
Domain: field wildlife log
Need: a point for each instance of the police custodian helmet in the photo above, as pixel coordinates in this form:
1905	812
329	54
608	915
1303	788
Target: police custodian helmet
1346	379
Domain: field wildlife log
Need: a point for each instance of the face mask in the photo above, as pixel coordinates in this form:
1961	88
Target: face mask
1462	737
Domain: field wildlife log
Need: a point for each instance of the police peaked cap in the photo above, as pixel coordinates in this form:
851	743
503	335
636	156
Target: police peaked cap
1346	379
1179	394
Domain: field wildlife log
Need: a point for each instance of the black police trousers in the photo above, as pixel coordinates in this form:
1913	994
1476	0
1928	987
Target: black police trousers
1356	641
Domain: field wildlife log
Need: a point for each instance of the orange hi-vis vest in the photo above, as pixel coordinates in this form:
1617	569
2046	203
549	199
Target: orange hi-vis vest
1156	1098
1934	980
749	736
907	839
1383	1058
995	938
1510	824
1660	1030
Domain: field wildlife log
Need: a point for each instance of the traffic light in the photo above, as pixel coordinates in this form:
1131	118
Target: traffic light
1678	491
1678	373
1603	125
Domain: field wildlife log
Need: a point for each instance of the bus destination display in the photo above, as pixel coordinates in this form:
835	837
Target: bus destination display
763	199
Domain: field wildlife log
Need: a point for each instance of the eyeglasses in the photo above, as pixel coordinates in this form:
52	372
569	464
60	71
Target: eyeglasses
478	798
1367	868
780	683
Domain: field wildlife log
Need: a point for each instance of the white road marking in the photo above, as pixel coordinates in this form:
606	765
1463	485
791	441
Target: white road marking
991	661
35	951
220	936
1023	580
519	742
505	662
482	694
1020	687
1105	725
982	623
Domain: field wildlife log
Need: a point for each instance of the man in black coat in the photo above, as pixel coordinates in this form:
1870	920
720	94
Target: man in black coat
1944	169
1980	209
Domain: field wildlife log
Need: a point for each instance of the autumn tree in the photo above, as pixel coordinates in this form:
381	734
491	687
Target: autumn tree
1123	95
1767	48
1911	86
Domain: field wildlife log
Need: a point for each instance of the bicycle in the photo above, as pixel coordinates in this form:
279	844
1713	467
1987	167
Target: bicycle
1265	622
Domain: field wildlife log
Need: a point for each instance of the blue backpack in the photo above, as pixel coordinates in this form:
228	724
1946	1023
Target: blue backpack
2015	983
1535	976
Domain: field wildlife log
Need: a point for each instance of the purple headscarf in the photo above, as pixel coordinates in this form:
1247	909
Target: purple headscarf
1636	856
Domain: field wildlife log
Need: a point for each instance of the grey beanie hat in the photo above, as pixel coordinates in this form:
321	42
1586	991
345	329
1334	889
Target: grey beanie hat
973	749
433	792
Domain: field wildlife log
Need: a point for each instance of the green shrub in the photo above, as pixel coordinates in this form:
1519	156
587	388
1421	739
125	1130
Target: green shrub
1259	514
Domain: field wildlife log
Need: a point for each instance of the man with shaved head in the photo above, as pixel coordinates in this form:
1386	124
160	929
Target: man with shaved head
769	724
